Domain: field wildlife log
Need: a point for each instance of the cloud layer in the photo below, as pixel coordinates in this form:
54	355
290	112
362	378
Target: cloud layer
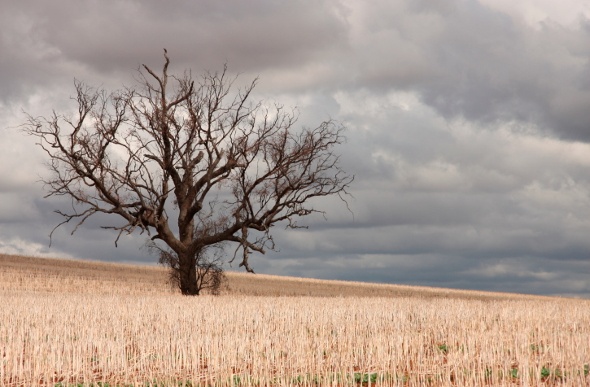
468	130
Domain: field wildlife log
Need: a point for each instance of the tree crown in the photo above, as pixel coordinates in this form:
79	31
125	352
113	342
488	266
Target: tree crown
193	162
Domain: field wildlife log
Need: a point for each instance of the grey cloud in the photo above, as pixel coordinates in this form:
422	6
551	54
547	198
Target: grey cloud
478	196
16	208
500	71
521	274
514	274
250	36
467	60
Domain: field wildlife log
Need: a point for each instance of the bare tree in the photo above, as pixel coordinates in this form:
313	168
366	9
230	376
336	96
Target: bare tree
192	163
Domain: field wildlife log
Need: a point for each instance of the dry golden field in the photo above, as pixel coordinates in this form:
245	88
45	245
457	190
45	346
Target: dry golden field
72	323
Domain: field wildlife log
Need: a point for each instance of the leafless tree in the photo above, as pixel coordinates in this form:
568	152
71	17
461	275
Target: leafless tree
191	162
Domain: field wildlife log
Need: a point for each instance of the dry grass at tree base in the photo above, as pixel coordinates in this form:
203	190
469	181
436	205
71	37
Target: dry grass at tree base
54	331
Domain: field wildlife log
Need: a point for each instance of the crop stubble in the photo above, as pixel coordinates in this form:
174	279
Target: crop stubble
126	337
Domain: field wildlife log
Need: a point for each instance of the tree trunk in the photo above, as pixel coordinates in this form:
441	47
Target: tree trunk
188	274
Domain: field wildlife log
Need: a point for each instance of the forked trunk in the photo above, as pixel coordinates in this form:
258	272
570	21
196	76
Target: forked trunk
188	275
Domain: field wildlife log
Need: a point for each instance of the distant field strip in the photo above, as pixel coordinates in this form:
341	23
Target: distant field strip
243	340
19	273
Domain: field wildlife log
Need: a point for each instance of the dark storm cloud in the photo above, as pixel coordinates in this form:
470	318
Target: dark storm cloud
513	274
506	72
467	60
117	37
463	58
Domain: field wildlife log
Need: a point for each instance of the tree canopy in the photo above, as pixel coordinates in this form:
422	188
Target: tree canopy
192	162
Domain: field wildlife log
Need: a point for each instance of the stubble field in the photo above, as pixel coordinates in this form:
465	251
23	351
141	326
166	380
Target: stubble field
69	323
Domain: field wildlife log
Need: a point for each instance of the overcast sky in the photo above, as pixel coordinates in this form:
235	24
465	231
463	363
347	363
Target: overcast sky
468	126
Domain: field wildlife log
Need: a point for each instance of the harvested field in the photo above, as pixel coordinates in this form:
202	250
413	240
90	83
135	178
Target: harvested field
61	326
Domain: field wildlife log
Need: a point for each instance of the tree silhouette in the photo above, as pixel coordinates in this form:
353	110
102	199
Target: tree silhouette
193	163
